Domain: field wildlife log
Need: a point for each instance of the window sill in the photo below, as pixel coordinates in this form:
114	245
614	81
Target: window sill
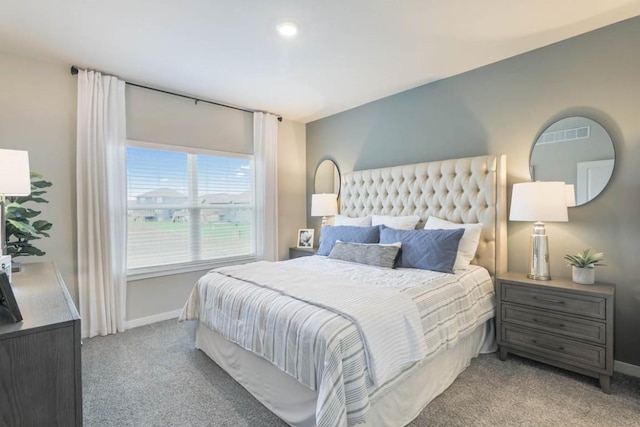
168	270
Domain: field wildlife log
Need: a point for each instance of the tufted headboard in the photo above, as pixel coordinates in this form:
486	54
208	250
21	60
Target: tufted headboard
468	190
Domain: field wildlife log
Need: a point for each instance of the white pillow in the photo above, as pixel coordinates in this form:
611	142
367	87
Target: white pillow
468	243
408	222
354	222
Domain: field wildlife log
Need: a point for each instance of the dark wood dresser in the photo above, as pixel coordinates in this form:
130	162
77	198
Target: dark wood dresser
40	370
557	322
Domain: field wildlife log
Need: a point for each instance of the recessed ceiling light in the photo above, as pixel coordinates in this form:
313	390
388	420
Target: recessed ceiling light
287	29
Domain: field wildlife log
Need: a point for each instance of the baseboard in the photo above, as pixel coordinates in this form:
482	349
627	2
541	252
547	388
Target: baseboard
626	368
134	323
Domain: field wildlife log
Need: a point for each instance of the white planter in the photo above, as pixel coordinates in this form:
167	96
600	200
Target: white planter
584	276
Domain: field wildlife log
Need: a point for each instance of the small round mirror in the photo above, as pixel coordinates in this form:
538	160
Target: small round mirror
578	151
327	178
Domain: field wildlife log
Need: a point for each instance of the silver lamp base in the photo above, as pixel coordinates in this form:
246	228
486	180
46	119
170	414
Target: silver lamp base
539	254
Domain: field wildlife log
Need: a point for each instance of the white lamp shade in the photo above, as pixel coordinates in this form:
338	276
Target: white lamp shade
539	201
571	195
325	204
15	179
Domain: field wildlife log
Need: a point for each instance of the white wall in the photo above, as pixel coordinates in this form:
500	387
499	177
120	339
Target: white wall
292	186
38	114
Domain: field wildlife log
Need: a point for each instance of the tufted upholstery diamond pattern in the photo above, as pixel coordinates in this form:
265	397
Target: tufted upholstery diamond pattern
468	190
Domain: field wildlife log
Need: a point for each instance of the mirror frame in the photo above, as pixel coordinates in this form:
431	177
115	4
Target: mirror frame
532	173
337	170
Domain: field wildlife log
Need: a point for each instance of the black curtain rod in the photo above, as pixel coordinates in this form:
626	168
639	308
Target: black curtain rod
74	71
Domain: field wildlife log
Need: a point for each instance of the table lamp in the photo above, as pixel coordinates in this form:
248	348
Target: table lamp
538	202
15	180
324	205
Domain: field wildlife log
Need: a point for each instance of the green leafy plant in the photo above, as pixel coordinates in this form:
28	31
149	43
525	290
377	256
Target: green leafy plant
585	259
21	226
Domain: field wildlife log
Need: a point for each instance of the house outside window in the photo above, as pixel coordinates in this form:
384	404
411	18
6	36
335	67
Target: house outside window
188	208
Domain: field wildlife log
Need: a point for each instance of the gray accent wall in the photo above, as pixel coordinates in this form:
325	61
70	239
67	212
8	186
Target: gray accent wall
501	109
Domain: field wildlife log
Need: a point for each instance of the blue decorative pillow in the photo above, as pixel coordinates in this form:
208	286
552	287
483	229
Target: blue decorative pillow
425	249
346	233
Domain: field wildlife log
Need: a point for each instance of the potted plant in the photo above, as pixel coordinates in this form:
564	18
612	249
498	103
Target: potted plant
21	226
583	266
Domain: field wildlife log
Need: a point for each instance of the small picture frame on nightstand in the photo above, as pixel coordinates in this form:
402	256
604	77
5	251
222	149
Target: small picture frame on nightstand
305	238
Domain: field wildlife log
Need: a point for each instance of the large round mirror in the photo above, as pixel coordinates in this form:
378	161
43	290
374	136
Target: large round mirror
575	150
327	178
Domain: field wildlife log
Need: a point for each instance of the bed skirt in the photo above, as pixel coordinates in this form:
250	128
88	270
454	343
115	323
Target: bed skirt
296	404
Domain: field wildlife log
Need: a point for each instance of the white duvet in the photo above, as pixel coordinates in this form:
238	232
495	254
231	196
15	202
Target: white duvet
322	348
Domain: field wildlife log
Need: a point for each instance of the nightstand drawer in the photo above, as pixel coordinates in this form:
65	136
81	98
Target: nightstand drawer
572	327
583	305
555	347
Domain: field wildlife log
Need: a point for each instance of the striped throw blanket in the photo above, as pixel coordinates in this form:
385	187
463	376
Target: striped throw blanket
321	348
387	319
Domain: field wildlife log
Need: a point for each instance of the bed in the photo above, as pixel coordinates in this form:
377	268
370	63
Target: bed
304	357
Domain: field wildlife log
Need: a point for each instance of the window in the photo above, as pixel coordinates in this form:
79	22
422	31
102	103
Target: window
187	207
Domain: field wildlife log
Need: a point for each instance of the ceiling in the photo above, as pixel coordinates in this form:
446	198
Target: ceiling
347	52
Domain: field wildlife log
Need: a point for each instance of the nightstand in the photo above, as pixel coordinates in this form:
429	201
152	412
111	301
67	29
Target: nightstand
557	322
300	252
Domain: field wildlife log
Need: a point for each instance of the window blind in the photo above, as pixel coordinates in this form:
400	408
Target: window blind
187	206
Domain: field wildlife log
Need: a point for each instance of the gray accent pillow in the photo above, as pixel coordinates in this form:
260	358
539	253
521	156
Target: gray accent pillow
425	249
366	253
346	233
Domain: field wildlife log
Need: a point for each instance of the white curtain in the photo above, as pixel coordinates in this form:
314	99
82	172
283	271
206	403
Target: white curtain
101	203
265	146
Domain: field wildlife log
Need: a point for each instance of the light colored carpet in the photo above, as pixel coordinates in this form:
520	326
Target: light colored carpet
152	376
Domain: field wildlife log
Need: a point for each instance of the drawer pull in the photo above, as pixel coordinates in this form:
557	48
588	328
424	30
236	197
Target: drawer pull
554	301
547	323
549	346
